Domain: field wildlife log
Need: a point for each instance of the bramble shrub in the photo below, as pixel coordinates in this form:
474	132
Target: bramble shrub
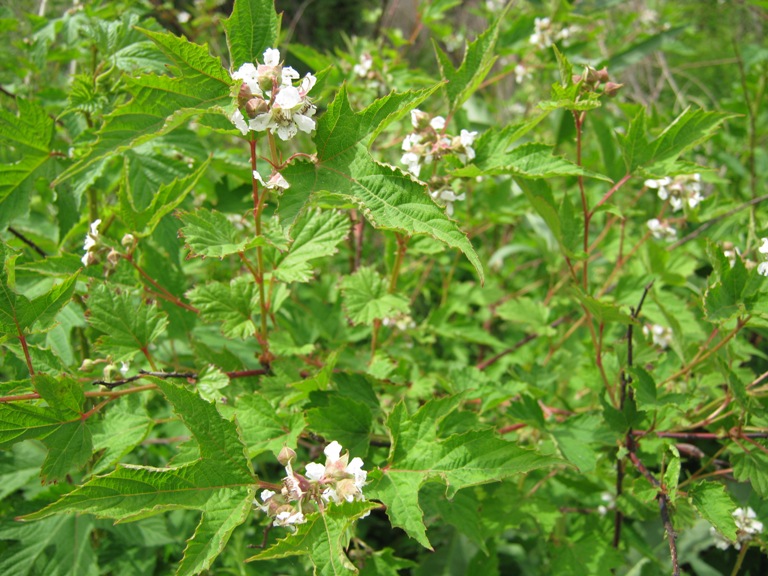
386	303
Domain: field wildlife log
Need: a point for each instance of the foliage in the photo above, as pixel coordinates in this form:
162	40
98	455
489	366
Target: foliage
512	258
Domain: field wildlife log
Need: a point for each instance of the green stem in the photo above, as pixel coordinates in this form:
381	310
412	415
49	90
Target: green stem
402	246
258	207
93	204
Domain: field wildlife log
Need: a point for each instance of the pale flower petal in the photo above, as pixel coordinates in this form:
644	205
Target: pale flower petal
333	451
271	56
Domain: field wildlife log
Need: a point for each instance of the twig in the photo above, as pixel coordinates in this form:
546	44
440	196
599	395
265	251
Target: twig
185	375
27	241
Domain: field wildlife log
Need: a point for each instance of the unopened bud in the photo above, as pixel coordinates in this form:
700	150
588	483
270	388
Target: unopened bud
87	365
602	74
244	94
419	119
113	257
111	373
256	106
266	83
286	456
592	75
611	88
576	78
128	241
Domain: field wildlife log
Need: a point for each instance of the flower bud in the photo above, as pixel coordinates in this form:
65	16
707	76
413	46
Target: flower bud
244	94
286	456
576	78
266	83
611	89
419	119
256	106
111	373
113	257
592	75
128	241
602	74
87	365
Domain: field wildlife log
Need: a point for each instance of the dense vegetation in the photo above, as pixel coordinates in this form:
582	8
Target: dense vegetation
416	288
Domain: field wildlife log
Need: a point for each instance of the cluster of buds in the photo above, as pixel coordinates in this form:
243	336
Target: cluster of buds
680	190
661	335
545	33
338	480
662	229
271	101
592	79
748	528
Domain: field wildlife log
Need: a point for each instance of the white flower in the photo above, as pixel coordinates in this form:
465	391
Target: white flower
249	74
275	181
183	17
762	268
661	335
521	73
412	161
91	239
286	518
266	495
448	197
124	367
438	123
764	246
747	526
661	230
363	66
410	141
239	121
288	75
314	471
271	57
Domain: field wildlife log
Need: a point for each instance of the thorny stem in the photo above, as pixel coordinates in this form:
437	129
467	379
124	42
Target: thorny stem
258	207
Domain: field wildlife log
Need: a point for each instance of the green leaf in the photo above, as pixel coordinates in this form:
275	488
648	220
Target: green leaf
315	235
55	547
210	233
264	428
124	426
388	198
161	103
419	454
19	466
715	505
323	538
529	161
366	298
752	467
602	310
164	201
478	61
129	325
253	27
42	311
232	304
220	484
345	420
29	133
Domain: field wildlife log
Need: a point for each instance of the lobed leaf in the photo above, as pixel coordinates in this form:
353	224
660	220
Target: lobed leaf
252	27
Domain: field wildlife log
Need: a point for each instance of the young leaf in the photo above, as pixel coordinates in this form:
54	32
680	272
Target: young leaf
209	233
161	103
129	325
252	28
715	504
264	428
232	304
323	538
316	235
419	454
164	201
366	297
478	61
387	197
752	467
219	484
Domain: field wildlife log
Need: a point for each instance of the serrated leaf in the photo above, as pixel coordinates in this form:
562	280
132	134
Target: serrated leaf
418	454
220	484
42	311
124	426
264	428
129	325
210	233
161	103
531	160
323	538
478	60
232	304
252	27
366	298
57	546
345	420
29	133
715	505
315	235
752	467
602	310
388	198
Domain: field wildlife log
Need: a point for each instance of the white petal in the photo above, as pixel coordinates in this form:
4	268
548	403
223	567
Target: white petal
333	451
261	122
266	495
304	123
271	56
277	181
239	121
315	471
438	123
287	132
258	178
288	98
764	246
307	83
95	227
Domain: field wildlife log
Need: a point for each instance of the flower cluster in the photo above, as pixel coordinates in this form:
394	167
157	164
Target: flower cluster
762	268
91	244
661	229
270	99
545	33
678	190
661	335
338	480
747	526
